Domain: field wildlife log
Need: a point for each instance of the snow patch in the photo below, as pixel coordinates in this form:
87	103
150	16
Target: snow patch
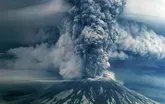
63	95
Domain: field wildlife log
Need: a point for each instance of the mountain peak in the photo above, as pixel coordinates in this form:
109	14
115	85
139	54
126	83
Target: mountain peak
90	91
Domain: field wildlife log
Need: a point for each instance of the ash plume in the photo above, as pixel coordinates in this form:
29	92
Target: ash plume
92	31
90	35
82	49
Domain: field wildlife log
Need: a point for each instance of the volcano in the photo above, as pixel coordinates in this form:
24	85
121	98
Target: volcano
89	91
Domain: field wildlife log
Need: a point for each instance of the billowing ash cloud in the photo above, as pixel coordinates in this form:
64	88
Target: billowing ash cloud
93	22
60	57
90	36
82	51
135	39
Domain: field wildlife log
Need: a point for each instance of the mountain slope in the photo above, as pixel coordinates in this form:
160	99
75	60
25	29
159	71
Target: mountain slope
90	92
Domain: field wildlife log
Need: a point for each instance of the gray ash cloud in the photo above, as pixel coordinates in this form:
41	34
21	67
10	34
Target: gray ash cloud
92	31
90	35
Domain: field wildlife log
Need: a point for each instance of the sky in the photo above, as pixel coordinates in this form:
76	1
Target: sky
26	23
150	12
25	18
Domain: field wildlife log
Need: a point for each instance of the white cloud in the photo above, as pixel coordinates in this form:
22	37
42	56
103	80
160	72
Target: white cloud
61	57
150	12
38	15
153	8
118	55
138	40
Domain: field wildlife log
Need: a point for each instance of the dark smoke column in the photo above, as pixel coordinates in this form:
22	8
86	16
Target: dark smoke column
93	32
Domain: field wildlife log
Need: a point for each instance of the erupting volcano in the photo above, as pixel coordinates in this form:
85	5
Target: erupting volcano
90	35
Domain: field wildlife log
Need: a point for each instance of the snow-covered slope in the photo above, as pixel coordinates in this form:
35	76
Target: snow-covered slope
90	92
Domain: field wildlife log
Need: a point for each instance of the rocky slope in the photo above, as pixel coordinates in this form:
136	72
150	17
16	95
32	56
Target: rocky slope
90	92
